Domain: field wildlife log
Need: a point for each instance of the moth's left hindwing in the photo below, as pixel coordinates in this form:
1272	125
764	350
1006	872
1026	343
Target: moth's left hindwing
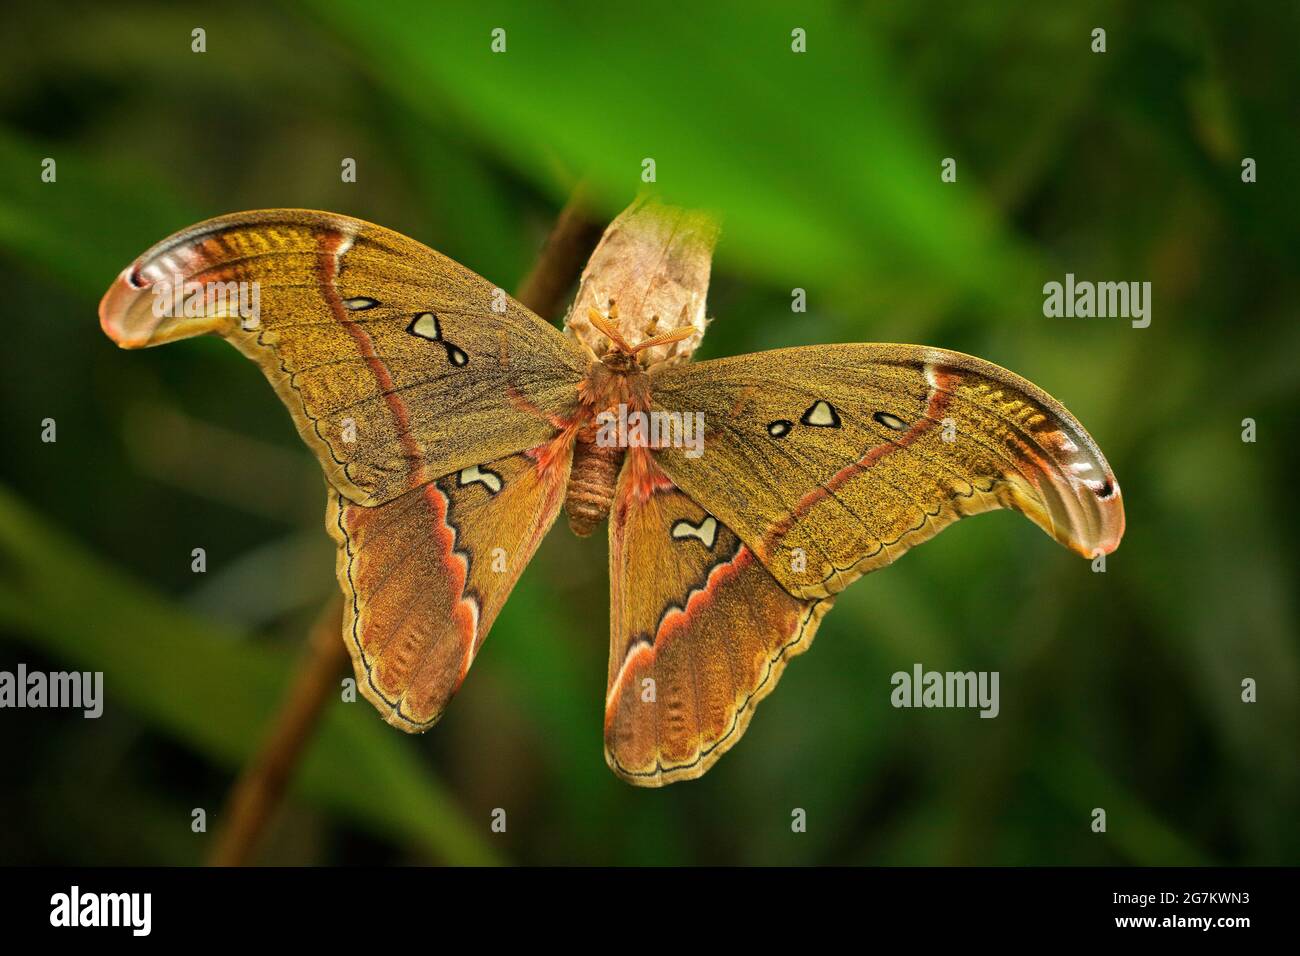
699	634
425	575
831	461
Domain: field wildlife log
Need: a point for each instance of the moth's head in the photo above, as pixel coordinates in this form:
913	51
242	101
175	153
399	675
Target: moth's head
620	355
654	261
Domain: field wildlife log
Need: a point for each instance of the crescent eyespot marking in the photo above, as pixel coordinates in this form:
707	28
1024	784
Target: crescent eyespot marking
706	531
821	414
890	421
779	428
425	325
456	356
483	476
359	303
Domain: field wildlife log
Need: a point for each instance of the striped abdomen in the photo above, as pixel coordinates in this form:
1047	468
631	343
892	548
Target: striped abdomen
591	485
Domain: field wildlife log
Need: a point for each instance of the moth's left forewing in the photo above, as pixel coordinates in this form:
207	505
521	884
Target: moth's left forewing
699	634
831	461
397	364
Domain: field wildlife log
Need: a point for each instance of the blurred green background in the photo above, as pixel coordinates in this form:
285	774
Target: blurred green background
1119	690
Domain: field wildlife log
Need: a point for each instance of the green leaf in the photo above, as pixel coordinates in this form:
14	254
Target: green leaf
839	193
69	227
213	691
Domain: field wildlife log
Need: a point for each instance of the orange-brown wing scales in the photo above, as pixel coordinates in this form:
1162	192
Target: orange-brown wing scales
830	462
699	634
397	364
425	575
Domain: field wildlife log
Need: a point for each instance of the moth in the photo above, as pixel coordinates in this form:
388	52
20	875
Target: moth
453	424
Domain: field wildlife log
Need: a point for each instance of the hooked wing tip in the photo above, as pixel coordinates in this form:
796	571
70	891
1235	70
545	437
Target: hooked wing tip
140	309
1086	517
1109	519
1061	481
124	314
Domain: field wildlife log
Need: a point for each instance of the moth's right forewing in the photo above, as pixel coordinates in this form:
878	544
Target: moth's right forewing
831	461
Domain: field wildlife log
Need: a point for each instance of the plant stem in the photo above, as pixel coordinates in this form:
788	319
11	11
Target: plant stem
262	783
560	262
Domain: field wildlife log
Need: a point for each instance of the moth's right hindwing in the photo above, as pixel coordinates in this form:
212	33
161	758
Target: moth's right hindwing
699	634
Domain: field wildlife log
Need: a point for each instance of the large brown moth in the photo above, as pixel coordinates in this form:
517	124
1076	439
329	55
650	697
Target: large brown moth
453	424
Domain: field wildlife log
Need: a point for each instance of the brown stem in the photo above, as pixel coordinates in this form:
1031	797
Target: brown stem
560	262
262	783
